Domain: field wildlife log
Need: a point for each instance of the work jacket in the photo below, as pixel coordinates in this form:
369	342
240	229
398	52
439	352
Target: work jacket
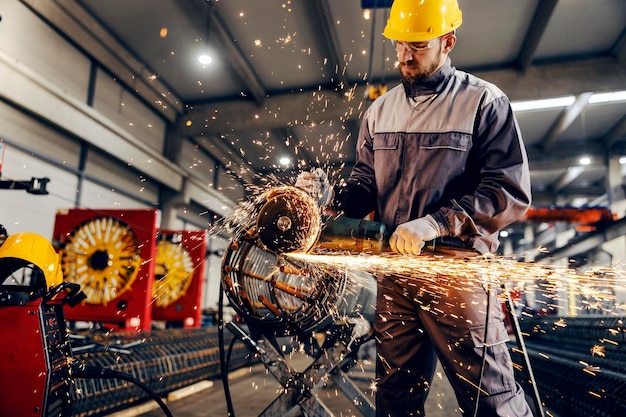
449	147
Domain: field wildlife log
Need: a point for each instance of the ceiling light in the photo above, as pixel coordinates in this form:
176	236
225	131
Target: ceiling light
585	160
504	233
548	103
551	103
205	59
608	97
622	160
285	160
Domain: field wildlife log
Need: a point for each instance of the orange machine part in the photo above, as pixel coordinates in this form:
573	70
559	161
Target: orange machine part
573	215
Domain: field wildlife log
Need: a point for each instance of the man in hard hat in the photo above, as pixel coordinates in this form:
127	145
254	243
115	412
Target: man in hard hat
439	156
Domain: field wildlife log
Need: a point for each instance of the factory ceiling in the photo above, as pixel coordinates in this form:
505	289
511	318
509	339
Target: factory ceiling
291	78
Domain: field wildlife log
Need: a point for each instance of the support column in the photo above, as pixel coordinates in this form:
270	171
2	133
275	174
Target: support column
530	251
170	203
617	203
616	186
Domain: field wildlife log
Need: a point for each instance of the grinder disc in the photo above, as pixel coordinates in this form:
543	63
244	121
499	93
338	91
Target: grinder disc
289	221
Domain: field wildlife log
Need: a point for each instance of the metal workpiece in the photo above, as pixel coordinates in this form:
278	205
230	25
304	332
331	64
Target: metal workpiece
163	360
277	296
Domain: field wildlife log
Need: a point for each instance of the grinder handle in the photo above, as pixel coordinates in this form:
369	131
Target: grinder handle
344	233
444	248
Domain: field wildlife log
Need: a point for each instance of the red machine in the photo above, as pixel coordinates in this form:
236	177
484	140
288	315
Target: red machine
35	355
110	254
179	277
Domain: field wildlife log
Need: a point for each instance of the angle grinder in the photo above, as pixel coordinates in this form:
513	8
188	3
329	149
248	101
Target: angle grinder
282	295
289	220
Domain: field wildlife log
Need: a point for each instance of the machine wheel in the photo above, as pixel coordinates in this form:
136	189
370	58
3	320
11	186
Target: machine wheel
102	256
173	273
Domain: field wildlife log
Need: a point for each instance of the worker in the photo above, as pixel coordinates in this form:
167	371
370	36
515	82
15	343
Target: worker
439	156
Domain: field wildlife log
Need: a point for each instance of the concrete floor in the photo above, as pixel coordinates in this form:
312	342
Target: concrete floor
253	389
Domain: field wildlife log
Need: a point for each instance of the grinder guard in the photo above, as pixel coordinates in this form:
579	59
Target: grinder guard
289	220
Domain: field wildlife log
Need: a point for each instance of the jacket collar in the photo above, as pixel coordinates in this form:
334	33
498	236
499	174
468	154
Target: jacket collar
433	84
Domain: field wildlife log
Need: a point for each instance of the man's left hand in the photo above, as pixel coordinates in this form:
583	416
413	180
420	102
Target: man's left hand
409	237
316	184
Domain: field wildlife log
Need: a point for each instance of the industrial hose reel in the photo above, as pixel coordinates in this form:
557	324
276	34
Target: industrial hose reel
173	272
102	256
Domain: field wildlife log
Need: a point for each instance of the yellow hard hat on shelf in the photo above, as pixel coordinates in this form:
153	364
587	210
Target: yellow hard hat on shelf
422	20
21	249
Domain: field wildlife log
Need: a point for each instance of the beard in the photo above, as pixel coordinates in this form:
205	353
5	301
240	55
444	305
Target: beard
419	75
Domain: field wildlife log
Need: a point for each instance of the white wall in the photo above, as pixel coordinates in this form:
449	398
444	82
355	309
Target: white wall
116	103
107	154
24	36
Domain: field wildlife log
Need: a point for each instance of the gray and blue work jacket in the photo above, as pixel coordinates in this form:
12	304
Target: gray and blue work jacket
449	147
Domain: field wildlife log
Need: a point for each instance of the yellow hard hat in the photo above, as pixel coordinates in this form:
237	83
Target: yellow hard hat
21	249
422	20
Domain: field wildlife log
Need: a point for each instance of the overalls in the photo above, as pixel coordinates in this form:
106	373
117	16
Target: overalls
451	148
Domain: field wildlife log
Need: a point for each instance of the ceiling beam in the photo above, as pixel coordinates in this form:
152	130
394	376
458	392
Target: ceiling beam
565	120
616	133
559	79
535	32
570	174
319	11
569	157
234	56
548	196
237	59
568	153
290	109
619	49
75	22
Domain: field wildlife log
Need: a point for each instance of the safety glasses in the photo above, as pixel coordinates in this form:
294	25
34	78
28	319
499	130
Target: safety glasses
417	47
412	47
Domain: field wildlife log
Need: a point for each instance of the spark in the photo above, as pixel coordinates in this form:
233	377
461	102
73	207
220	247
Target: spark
485	393
287	38
596	290
373	386
328	278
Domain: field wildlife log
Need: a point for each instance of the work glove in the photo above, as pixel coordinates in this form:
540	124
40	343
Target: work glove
410	237
316	184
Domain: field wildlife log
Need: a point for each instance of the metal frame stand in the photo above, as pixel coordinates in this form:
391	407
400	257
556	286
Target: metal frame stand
299	397
528	370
